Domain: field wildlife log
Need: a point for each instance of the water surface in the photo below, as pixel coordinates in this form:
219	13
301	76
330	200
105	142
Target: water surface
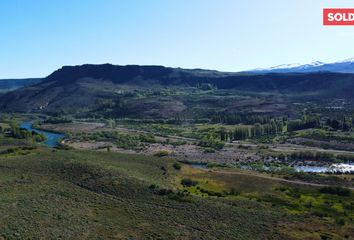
311	169
52	139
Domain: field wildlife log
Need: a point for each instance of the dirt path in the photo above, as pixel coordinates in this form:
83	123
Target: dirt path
274	178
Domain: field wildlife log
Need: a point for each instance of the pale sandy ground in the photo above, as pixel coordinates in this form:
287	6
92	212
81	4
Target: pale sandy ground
185	152
98	146
188	152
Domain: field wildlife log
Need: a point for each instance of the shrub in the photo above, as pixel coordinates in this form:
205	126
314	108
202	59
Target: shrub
212	193
335	191
177	166
179	196
234	192
164	191
29	147
211	142
148	138
62	146
177	143
209	150
153	186
9	150
187	182
161	153
341	222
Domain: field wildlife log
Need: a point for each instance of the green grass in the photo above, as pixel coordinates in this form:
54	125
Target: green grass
70	194
85	195
320	209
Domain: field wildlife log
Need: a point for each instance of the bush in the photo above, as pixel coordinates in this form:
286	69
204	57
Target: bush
179	196
148	138
62	146
38	137
162	153
177	143
29	147
209	150
9	150
187	182
177	166
335	191
163	191
153	186
234	192
210	142
212	193
341	222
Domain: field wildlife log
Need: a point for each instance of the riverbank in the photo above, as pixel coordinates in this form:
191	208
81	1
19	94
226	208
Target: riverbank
52	139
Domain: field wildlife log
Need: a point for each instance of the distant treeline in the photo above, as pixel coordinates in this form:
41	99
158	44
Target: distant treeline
257	130
305	123
258	126
242	132
323	156
248	119
344	123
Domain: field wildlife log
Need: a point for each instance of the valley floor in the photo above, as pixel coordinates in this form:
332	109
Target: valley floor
126	183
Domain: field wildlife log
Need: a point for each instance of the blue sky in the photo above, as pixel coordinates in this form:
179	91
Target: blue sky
37	36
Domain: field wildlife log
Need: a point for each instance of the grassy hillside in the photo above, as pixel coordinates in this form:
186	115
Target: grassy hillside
85	195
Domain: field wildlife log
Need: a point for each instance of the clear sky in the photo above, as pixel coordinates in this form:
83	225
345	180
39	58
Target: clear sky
39	36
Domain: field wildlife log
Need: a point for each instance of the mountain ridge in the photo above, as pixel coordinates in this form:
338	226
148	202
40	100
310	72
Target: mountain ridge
84	88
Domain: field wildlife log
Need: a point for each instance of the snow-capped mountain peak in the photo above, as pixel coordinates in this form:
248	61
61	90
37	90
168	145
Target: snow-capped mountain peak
348	60
345	66
282	66
316	63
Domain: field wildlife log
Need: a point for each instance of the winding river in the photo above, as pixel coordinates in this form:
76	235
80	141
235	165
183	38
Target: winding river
52	139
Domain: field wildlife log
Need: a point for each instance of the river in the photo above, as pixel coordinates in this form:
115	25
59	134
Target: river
333	168
52	139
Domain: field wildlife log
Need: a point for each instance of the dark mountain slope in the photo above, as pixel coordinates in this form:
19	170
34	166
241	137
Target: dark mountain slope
147	75
93	87
12	84
130	74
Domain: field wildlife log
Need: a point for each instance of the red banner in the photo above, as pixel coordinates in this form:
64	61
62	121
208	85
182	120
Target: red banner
338	16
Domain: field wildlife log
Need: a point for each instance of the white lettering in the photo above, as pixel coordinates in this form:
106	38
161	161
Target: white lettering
330	17
338	17
351	17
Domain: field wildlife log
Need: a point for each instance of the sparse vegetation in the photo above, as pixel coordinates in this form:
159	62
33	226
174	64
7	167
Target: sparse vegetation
187	182
161	153
177	166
